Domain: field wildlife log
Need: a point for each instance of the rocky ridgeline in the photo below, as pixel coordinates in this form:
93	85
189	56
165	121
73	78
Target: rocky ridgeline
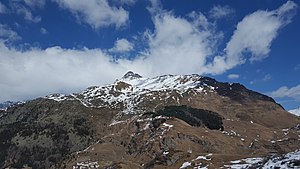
129	93
169	121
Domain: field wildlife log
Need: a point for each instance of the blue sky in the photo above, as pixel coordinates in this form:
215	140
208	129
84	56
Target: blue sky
50	46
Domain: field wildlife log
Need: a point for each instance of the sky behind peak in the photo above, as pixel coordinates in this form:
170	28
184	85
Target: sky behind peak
50	46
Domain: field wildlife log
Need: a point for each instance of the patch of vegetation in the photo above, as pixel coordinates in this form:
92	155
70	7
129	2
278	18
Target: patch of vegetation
39	139
193	116
82	127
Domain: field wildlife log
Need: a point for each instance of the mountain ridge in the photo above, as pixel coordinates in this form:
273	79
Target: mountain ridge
137	122
134	83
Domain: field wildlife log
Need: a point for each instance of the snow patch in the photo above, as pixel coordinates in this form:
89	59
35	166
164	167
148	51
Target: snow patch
185	165
86	165
57	97
114	122
276	161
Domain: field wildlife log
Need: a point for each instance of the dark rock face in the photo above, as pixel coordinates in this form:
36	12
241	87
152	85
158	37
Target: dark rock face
194	117
236	91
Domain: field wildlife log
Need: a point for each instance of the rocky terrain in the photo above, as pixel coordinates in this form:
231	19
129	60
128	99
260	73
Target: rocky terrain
170	121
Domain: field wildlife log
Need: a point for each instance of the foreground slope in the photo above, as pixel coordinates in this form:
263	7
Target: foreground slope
168	121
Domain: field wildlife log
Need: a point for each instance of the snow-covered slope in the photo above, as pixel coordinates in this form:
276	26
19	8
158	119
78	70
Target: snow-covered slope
127	92
133	93
5	105
295	112
290	160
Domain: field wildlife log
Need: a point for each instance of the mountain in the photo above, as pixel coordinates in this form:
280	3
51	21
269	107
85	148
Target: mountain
169	121
295	111
7	104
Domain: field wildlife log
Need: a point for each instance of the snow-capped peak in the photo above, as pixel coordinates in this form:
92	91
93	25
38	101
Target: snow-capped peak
295	111
165	82
131	75
128	92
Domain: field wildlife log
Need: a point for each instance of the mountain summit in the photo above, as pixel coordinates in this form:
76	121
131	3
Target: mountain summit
131	75
169	121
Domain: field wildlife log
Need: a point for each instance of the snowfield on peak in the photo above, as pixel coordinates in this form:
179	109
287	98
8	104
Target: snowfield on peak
166	82
132	89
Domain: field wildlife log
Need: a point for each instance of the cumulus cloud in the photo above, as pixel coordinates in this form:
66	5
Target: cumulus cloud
122	45
28	16
253	37
96	13
284	91
218	12
8	34
43	31
35	3
233	76
176	45
3	8
179	45
37	72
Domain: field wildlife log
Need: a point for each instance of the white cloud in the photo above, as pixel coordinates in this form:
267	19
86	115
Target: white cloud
267	77
233	76
35	3
127	2
293	92
43	31
3	8
253	36
122	45
66	70
18	7
177	45
8	34
28	16
155	8
219	12
96	13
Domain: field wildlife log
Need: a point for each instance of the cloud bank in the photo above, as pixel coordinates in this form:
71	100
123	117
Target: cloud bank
176	45
253	37
96	13
293	92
